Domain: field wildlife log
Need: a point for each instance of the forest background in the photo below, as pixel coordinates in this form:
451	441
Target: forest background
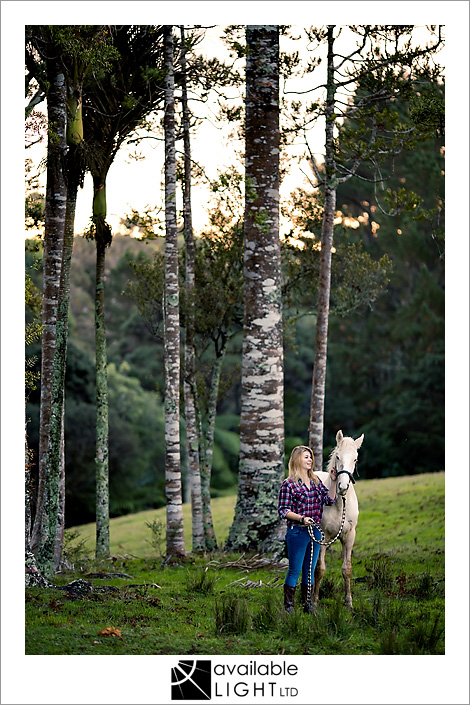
386	340
353	417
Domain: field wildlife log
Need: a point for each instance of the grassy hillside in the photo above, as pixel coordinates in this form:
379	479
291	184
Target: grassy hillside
402	514
232	604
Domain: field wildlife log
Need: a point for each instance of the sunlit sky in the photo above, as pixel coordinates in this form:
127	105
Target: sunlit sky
435	680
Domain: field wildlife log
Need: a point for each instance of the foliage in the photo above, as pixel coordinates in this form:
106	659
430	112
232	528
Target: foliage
202	582
136	440
34	199
158	539
232	614
33	330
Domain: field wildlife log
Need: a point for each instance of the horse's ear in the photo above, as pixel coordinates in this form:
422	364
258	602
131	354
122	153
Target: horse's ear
339	437
358	441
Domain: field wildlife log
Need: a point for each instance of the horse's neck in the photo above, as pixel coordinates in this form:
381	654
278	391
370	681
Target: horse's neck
325	478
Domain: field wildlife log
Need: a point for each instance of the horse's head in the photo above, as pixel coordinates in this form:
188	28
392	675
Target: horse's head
344	459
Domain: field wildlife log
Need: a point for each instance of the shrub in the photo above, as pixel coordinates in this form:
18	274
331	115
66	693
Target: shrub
267	617
380	572
202	582
232	614
158	538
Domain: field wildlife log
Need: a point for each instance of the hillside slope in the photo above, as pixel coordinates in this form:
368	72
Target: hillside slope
396	513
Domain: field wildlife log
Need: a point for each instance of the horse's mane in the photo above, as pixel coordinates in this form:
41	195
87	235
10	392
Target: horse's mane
331	459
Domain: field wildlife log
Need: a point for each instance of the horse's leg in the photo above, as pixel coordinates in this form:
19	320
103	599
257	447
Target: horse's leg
318	575
346	566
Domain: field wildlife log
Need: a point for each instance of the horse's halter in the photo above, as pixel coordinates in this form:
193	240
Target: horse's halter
344	472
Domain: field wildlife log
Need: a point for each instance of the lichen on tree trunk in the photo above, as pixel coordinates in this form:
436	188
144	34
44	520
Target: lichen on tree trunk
54	224
101	457
47	547
256	523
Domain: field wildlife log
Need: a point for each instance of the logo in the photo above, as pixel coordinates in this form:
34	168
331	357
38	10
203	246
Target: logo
191	680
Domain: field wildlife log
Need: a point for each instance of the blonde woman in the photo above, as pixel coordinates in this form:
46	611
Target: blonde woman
301	499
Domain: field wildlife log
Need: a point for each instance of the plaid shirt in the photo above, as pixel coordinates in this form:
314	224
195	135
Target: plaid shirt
297	497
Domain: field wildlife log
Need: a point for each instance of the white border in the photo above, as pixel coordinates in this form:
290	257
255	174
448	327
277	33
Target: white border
338	679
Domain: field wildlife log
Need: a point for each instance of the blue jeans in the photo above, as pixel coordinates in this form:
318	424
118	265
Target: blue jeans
299	547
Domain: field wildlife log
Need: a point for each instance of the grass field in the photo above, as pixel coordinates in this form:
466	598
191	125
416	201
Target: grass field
227	604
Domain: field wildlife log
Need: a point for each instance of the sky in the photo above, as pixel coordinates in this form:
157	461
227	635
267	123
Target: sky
431	680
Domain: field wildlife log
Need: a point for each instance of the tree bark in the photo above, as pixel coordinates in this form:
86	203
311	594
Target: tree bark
54	224
174	508
189	386
51	501
207	445
33	577
261	465
324	282
101	457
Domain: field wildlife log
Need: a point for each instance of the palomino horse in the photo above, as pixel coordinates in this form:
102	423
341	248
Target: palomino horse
343	458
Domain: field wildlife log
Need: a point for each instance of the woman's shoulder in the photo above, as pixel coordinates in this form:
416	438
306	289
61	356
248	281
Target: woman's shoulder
289	482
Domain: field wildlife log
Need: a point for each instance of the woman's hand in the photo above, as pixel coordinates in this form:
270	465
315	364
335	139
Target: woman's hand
333	474
308	520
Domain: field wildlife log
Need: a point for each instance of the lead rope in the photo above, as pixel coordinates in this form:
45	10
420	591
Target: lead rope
322	542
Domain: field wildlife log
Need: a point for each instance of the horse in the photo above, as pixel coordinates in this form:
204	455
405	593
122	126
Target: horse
343	458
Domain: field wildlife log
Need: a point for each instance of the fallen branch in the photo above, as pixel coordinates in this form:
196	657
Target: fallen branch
256	562
105	574
254	584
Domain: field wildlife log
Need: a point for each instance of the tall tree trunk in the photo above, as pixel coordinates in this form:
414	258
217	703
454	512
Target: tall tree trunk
324	281
54	224
47	548
207	446
52	523
103	238
189	386
174	505
101	457
261	469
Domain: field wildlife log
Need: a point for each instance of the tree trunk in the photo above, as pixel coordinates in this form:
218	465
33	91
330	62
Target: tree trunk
101	457
174	506
33	577
59	537
51	499
103	238
256	524
54	223
190	397
324	282
207	446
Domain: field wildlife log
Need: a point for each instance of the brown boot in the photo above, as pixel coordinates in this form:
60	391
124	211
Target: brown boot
289	594
307	592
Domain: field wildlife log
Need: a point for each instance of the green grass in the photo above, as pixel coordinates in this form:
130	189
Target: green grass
130	534
205	608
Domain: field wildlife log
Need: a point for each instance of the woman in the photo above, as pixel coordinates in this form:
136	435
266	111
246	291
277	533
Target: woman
301	499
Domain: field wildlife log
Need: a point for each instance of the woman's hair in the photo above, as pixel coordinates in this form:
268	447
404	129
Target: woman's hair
295	464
